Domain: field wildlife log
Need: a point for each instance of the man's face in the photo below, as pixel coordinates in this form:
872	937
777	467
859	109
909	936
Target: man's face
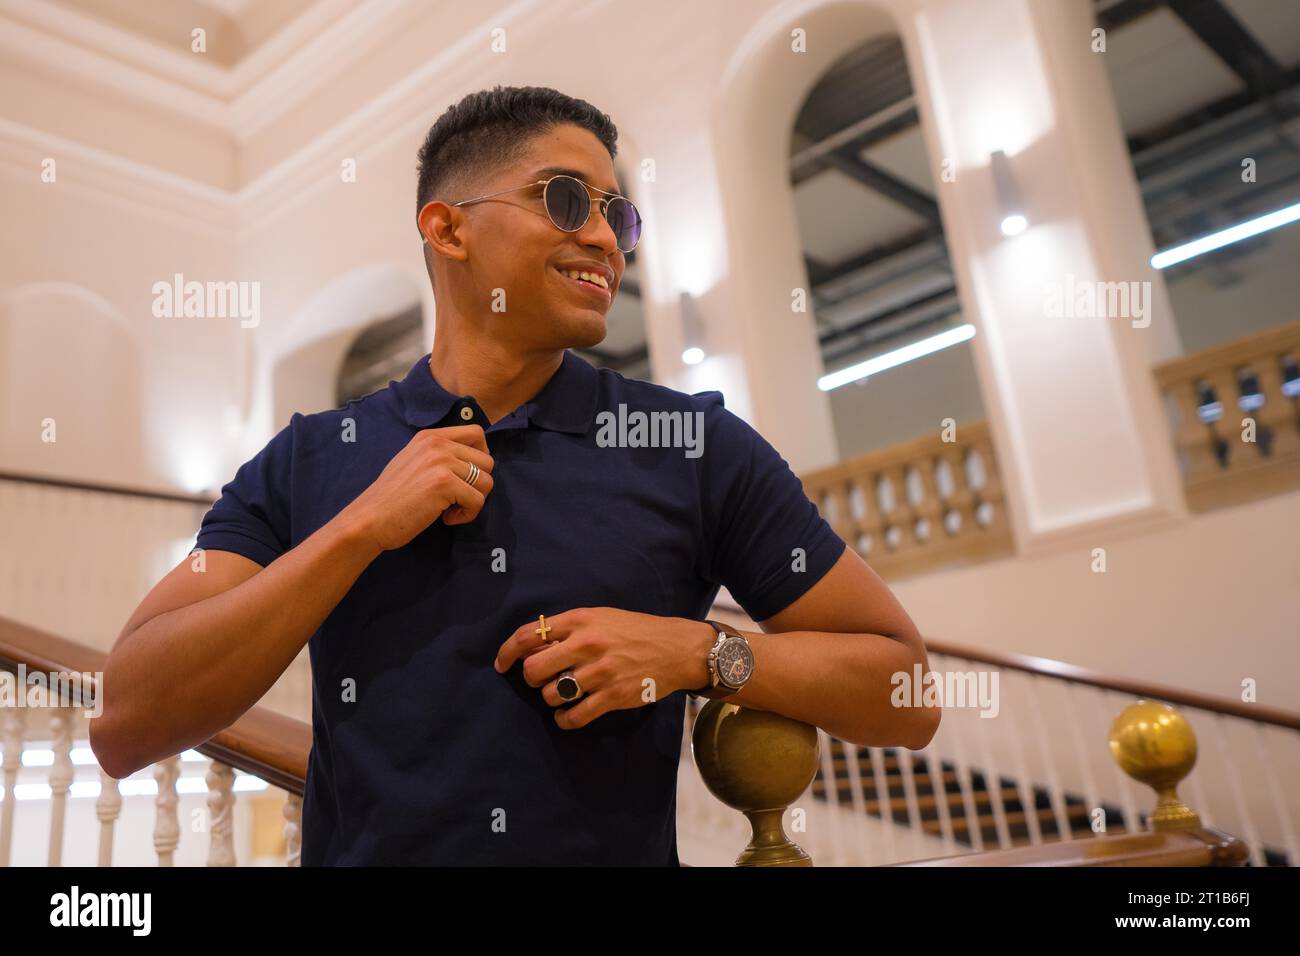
514	246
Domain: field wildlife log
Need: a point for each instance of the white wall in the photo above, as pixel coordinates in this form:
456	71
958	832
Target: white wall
907	401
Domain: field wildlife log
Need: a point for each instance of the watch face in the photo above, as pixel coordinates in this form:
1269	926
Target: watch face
735	661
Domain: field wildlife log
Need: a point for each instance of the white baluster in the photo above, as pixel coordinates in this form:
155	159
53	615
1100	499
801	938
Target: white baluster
1195	790
965	779
993	779
931	755
108	807
1275	794
1091	799
1204	809
934	767
881	780
1245	822
1024	786
831	793
167	827
221	804
1064	832
14	725
61	719
1131	819
293	829
859	803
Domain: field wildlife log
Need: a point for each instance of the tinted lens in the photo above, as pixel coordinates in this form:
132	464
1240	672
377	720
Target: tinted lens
625	221
568	203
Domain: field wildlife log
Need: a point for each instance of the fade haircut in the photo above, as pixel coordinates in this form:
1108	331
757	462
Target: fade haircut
489	130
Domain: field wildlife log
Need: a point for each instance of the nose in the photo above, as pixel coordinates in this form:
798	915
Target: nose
597	231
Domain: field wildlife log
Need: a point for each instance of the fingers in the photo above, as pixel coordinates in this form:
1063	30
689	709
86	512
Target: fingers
587	708
587	676
527	639
469	500
483	481
543	664
471	436
468	453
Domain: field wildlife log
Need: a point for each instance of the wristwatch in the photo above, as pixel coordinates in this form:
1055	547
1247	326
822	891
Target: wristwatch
731	663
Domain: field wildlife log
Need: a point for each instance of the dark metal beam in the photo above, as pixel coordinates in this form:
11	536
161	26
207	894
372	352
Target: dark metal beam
847	331
1232	43
1122	14
901	123
878	254
873	177
1202	116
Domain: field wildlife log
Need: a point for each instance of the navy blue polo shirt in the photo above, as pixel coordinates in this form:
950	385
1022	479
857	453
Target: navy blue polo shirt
439	759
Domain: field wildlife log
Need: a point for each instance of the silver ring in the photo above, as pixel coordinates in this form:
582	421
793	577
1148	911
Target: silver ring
566	685
473	473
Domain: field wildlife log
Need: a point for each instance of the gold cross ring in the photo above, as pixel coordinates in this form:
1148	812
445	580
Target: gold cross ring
543	630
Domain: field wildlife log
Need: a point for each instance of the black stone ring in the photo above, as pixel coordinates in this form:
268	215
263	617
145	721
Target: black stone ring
566	685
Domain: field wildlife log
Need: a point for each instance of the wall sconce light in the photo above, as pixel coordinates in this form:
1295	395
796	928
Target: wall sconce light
1010	202
692	331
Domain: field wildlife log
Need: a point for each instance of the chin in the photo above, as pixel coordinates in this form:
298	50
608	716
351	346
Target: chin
586	332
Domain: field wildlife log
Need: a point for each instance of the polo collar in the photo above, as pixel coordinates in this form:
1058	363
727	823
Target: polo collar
566	403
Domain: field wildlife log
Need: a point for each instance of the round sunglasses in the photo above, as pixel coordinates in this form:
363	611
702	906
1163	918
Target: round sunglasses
568	203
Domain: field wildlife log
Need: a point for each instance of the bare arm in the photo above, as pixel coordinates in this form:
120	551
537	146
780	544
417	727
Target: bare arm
203	647
828	660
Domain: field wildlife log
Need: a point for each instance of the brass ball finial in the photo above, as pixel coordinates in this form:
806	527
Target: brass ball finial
1154	744
758	763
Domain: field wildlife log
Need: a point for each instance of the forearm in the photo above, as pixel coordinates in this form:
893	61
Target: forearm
188	673
839	682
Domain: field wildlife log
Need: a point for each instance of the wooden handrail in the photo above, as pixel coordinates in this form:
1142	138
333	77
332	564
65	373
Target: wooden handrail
261	742
275	748
1046	667
47	481
1200	847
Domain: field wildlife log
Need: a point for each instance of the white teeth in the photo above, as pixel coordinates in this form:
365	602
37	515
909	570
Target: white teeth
589	276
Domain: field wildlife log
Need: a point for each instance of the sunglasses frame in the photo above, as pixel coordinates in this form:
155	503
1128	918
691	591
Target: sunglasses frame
590	204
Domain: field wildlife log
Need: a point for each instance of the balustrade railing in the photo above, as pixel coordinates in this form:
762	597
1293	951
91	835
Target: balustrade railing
1027	778
1235	412
918	505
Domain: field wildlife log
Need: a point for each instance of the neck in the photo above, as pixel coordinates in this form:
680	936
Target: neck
498	377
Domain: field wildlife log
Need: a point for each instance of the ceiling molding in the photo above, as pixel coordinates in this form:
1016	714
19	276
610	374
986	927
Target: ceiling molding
315	61
401	111
110	178
309	52
192	70
21	43
232	9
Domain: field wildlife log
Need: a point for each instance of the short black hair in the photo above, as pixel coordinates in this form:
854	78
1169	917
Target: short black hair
489	130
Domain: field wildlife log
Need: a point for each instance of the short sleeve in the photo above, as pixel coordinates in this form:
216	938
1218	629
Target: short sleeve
765	540
252	515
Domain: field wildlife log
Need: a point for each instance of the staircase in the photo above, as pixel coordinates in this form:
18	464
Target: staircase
940	795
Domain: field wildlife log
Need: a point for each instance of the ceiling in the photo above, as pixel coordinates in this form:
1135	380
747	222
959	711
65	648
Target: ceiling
234	28
1197	83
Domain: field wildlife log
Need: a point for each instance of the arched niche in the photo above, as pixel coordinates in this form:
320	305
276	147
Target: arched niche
304	362
70	358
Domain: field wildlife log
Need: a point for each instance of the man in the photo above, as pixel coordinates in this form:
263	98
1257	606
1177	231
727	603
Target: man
504	591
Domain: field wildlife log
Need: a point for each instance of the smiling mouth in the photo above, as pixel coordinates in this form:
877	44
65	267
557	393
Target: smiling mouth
587	284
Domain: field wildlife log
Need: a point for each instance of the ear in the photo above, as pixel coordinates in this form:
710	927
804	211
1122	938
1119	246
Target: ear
445	228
